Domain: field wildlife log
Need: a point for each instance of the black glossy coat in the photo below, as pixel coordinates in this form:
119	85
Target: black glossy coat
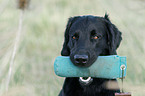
80	38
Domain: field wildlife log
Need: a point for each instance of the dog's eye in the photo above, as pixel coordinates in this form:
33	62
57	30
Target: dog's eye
95	37
74	37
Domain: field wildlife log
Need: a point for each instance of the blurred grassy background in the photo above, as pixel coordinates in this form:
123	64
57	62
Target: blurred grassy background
42	38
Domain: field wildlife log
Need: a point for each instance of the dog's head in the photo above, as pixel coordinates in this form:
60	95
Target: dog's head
87	37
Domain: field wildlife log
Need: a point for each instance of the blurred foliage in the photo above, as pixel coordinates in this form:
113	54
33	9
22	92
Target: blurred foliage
42	38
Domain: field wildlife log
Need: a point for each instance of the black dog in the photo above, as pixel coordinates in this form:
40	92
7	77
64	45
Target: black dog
86	38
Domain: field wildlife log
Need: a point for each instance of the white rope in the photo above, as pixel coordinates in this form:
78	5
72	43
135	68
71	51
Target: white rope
16	45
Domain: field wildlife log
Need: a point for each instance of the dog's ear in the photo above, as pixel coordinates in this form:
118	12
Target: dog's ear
66	50
114	36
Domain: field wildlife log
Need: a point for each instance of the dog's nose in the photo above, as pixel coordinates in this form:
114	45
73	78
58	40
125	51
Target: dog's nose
81	59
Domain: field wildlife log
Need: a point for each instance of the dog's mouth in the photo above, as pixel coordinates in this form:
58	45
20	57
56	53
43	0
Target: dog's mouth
83	61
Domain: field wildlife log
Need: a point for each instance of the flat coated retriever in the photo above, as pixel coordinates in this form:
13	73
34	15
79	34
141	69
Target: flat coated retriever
86	38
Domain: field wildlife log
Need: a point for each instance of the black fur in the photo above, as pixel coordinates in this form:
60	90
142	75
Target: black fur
84	28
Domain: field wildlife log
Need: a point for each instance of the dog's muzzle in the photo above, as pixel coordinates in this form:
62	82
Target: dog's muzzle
85	81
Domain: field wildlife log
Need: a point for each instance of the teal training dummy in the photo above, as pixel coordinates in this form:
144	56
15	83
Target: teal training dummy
105	67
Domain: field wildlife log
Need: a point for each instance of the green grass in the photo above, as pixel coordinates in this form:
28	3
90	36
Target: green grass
42	38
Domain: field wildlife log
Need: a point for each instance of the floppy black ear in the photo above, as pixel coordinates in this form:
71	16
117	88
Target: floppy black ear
66	50
114	36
